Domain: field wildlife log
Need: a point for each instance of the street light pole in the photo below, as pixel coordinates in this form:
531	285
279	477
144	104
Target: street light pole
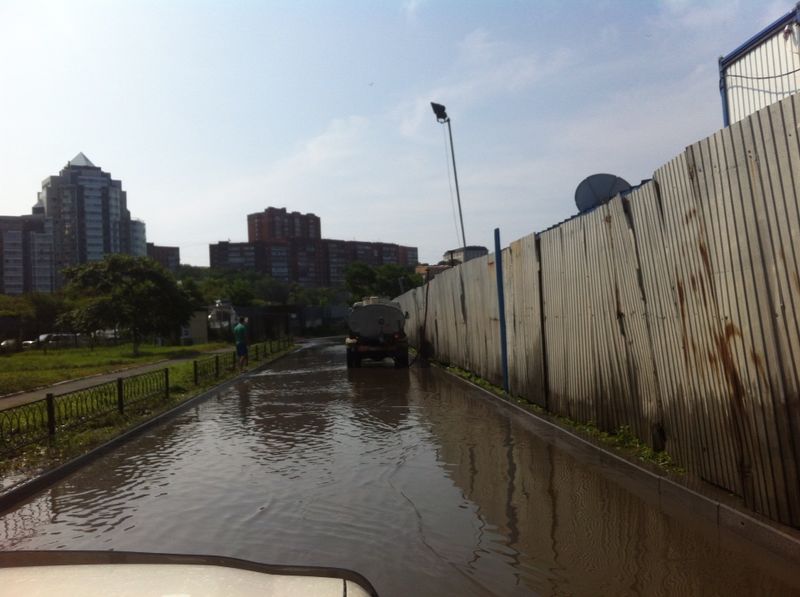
442	117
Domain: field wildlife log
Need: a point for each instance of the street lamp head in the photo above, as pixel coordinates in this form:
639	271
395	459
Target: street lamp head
440	111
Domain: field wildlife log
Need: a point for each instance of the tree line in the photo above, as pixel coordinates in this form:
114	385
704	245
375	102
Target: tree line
138	296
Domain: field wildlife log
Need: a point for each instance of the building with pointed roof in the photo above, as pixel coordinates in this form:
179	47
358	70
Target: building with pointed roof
81	215
88	215
81	161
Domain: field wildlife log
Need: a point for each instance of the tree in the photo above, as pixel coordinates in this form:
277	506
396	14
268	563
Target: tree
360	280
242	288
132	293
384	280
393	280
47	310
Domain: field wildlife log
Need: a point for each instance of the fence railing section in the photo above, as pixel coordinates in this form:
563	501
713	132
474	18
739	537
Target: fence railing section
39	421
212	367
673	311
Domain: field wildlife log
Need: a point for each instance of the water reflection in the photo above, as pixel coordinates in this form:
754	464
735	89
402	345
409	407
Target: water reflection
407	476
563	529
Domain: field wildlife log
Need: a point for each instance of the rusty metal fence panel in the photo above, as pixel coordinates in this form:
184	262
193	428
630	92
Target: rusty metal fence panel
655	265
524	320
482	318
674	311
747	170
553	305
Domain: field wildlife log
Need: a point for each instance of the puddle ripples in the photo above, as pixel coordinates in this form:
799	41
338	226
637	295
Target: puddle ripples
410	477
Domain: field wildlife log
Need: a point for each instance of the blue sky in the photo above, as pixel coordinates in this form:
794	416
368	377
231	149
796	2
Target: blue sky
208	111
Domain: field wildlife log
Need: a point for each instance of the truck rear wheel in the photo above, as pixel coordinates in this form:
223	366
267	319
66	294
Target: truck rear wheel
401	359
353	359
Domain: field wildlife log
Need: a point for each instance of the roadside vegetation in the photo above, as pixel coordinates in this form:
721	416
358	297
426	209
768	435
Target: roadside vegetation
36	459
34	368
139	299
622	440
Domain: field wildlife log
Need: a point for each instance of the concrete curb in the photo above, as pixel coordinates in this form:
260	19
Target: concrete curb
673	498
24	491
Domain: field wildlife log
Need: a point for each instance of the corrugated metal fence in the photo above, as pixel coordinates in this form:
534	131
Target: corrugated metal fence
674	310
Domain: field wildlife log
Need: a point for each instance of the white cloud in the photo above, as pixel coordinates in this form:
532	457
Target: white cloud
485	68
411	7
384	178
694	14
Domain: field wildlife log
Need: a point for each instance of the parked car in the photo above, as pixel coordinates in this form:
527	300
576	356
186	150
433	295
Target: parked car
58	340
8	345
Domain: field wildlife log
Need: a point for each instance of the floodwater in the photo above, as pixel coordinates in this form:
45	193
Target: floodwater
410	477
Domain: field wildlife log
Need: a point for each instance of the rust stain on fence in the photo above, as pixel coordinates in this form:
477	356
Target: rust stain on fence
684	329
736	395
759	363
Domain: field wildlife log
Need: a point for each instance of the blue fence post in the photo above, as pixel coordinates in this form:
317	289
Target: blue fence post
501	302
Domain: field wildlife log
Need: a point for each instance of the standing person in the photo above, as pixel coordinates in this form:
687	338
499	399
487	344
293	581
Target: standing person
240	336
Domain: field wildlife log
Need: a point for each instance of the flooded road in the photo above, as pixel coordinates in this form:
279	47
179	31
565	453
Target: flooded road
410	477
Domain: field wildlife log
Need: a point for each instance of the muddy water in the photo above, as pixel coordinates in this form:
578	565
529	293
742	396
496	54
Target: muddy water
409	477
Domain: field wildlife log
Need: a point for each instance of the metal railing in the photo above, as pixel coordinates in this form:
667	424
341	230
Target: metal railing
213	367
40	421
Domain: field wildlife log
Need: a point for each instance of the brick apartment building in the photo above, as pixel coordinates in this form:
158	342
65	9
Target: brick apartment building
278	224
288	247
168	257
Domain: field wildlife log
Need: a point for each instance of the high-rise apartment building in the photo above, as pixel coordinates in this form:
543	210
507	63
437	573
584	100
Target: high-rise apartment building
270	258
278	224
88	213
138	246
26	255
81	216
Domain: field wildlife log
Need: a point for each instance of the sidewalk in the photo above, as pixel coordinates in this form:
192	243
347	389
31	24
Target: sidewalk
12	400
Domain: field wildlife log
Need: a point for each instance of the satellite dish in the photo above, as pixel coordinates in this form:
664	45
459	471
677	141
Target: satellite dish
596	189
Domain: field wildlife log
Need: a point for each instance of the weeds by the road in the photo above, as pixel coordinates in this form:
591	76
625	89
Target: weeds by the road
28	370
622	439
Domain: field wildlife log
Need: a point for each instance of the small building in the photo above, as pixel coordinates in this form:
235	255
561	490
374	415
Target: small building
429	272
196	331
464	254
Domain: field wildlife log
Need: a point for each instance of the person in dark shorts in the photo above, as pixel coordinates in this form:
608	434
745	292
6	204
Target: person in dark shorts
240	336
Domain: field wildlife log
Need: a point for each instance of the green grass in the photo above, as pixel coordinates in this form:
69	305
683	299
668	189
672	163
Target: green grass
28	370
622	439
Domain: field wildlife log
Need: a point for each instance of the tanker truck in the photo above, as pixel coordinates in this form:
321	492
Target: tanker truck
376	332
